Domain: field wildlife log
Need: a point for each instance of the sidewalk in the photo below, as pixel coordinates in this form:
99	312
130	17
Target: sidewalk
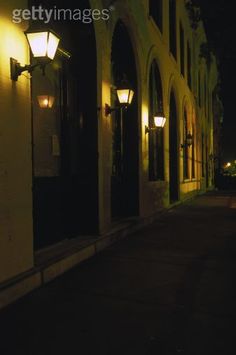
167	289
57	259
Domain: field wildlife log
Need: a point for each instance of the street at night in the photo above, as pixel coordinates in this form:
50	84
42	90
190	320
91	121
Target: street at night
117	177
167	289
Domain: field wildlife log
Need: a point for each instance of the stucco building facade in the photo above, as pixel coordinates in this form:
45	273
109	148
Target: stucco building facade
72	170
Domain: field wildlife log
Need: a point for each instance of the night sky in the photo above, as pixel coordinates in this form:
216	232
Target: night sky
220	24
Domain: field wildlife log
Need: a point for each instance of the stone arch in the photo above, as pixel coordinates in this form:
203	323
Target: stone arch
153	54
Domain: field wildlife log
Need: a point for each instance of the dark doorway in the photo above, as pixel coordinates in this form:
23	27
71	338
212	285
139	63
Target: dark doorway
124	179
156	137
65	171
173	150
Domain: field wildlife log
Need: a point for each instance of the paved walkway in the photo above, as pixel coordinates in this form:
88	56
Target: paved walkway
168	289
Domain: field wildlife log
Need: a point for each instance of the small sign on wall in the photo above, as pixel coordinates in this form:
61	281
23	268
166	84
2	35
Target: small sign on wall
55	146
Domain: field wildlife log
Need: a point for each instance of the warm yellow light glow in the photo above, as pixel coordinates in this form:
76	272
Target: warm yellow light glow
159	121
125	96
145	137
228	165
12	44
144	115
106	92
45	101
43	44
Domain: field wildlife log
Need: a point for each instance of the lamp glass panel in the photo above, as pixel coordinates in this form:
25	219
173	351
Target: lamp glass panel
53	42
131	95
125	96
159	121
45	101
51	101
38	43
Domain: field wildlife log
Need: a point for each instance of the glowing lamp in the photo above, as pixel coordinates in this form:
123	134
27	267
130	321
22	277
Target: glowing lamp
45	101
159	121
43	44
125	96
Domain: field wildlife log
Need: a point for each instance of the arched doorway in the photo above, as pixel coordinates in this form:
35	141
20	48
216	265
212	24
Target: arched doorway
156	137
124	179
173	150
65	171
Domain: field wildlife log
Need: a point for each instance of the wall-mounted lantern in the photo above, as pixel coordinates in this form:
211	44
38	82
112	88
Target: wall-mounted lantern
188	141
125	96
159	122
45	101
43	45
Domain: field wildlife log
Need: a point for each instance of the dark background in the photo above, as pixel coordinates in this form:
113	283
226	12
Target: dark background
220	24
